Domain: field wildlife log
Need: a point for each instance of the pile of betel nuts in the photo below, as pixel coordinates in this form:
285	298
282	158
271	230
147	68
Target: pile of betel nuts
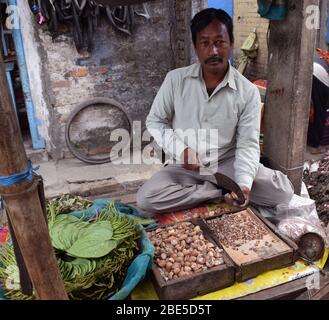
181	250
235	230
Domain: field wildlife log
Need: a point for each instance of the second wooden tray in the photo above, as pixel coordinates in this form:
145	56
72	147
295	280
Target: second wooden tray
272	252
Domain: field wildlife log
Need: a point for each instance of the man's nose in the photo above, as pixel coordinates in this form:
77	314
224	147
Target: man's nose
214	49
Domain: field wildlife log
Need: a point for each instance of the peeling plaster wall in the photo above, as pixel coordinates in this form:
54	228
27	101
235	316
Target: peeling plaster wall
127	69
34	66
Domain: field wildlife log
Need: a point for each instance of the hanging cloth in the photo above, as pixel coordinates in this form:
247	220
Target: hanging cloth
273	9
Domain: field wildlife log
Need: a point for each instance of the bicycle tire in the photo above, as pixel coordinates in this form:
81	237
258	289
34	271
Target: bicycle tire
90	102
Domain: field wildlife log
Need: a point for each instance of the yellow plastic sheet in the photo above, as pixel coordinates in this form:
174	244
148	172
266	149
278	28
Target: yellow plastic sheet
269	279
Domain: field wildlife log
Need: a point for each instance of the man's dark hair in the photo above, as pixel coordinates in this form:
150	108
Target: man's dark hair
206	16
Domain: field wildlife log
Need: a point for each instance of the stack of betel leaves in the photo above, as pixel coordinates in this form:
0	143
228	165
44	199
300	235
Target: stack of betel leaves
93	255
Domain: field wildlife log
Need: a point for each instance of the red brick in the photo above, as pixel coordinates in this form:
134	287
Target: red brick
77	73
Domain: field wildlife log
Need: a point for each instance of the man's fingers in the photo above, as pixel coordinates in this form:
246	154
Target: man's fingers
234	196
231	199
228	199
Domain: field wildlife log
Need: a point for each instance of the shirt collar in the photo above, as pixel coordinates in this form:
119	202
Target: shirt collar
231	78
195	71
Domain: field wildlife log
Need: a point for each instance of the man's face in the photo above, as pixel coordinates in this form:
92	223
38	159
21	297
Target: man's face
213	47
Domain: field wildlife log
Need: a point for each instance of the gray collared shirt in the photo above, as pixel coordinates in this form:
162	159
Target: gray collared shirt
218	127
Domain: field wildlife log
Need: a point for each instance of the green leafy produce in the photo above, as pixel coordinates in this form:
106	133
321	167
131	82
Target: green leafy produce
68	203
87	247
93	256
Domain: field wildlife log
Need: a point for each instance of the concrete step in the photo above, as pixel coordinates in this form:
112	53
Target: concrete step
75	177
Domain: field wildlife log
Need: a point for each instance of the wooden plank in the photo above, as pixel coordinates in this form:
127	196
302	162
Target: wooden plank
42	196
292	290
24	278
189	287
283	291
23	204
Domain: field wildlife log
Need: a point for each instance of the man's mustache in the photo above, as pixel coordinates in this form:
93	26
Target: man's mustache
214	59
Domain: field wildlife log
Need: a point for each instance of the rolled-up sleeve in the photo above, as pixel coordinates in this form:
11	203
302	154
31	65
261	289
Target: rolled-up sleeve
158	121
247	153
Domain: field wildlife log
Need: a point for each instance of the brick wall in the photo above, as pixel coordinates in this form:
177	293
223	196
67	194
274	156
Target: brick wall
128	69
246	19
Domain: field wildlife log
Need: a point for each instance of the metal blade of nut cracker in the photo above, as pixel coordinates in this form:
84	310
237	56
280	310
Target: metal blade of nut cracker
230	185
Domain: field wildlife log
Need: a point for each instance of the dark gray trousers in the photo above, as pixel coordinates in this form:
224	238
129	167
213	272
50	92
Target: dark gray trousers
174	188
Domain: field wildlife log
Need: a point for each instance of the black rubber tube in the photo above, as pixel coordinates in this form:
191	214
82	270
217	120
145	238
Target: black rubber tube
91	102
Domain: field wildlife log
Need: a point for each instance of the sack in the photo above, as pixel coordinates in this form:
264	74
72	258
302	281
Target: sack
300	217
273	9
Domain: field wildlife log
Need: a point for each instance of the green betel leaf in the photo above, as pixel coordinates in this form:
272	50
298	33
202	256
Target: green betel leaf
71	233
55	231
102	230
89	247
64	231
62	218
94	241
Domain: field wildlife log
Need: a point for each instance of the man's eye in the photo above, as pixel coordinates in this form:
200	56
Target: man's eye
205	43
220	42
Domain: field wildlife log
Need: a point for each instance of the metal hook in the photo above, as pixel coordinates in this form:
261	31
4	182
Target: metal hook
78	6
145	14
66	4
52	4
109	14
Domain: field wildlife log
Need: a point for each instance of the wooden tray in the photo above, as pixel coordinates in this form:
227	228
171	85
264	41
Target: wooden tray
199	283
281	254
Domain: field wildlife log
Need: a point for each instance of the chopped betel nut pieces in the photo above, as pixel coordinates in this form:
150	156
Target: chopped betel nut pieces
203	215
235	230
181	250
209	214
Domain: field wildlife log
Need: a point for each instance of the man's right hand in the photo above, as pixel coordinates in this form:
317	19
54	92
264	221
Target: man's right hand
190	159
231	198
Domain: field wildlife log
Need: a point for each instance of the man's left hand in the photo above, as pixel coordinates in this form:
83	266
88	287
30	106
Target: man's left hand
231	198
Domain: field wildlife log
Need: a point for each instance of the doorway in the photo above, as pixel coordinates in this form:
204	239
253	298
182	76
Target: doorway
17	77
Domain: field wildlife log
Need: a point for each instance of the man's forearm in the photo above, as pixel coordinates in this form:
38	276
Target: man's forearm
166	138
